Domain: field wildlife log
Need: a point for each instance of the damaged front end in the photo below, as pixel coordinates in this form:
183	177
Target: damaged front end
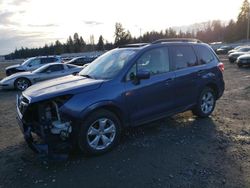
44	128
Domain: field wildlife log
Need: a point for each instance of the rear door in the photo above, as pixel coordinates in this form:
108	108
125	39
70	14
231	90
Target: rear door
208	70
153	97
185	64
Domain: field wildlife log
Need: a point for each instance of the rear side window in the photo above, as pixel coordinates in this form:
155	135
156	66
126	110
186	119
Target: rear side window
71	66
80	60
54	68
155	61
204	54
183	56
48	60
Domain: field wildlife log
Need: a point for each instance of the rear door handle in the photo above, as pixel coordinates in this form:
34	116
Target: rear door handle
168	81
201	72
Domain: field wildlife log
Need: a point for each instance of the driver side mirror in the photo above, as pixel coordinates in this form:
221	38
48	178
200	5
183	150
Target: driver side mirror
140	75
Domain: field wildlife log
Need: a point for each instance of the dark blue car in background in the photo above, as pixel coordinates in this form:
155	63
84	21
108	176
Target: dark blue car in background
128	86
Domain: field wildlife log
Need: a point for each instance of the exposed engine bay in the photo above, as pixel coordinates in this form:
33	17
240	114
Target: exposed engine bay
44	129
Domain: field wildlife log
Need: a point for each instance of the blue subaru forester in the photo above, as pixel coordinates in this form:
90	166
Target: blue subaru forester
128	86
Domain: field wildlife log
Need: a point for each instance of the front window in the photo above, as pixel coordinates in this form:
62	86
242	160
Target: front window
34	62
154	61
26	62
109	64
49	68
53	68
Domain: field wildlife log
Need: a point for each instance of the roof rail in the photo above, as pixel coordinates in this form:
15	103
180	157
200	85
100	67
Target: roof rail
136	45
177	40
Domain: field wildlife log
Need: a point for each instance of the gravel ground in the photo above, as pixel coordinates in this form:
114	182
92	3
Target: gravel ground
179	151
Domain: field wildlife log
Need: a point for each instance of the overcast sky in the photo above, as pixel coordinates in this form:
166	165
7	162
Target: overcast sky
32	23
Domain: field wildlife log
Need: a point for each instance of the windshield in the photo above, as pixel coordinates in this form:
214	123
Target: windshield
244	49
109	64
40	69
72	60
27	61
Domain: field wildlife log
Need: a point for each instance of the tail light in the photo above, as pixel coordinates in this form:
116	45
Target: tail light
221	67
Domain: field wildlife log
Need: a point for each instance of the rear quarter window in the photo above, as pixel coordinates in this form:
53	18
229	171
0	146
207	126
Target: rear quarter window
204	54
71	66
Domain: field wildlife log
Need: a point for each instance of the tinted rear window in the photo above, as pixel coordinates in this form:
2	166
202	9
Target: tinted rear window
183	56
204	54
48	60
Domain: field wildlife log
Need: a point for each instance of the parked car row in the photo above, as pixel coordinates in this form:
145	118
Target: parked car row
81	60
42	68
240	55
23	80
32	64
223	50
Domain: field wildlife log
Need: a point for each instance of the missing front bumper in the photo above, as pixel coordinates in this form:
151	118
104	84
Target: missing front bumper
50	146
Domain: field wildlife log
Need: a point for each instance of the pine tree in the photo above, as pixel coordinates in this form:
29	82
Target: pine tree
242	21
121	36
100	44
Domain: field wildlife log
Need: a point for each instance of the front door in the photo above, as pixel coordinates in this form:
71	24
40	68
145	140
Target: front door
153	97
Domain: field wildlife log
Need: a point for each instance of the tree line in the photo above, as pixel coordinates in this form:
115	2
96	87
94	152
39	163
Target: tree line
213	31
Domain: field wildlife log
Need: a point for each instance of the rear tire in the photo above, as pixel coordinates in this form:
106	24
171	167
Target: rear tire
205	104
239	65
22	83
99	133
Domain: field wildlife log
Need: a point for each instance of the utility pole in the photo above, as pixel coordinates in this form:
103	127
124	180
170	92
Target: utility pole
140	35
248	26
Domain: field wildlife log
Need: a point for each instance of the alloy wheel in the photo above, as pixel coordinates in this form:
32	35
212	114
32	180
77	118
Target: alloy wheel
101	134
22	84
207	102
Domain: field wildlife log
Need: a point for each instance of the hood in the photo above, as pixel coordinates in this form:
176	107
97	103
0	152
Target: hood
16	75
60	86
244	56
19	67
232	51
237	53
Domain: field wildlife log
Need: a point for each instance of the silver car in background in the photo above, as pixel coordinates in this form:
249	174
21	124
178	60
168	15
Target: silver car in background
32	64
23	80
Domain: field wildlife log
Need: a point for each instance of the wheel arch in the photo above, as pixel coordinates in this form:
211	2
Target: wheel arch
22	77
106	105
214	87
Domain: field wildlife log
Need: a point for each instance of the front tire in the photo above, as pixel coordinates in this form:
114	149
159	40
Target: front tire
206	103
22	83
99	133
